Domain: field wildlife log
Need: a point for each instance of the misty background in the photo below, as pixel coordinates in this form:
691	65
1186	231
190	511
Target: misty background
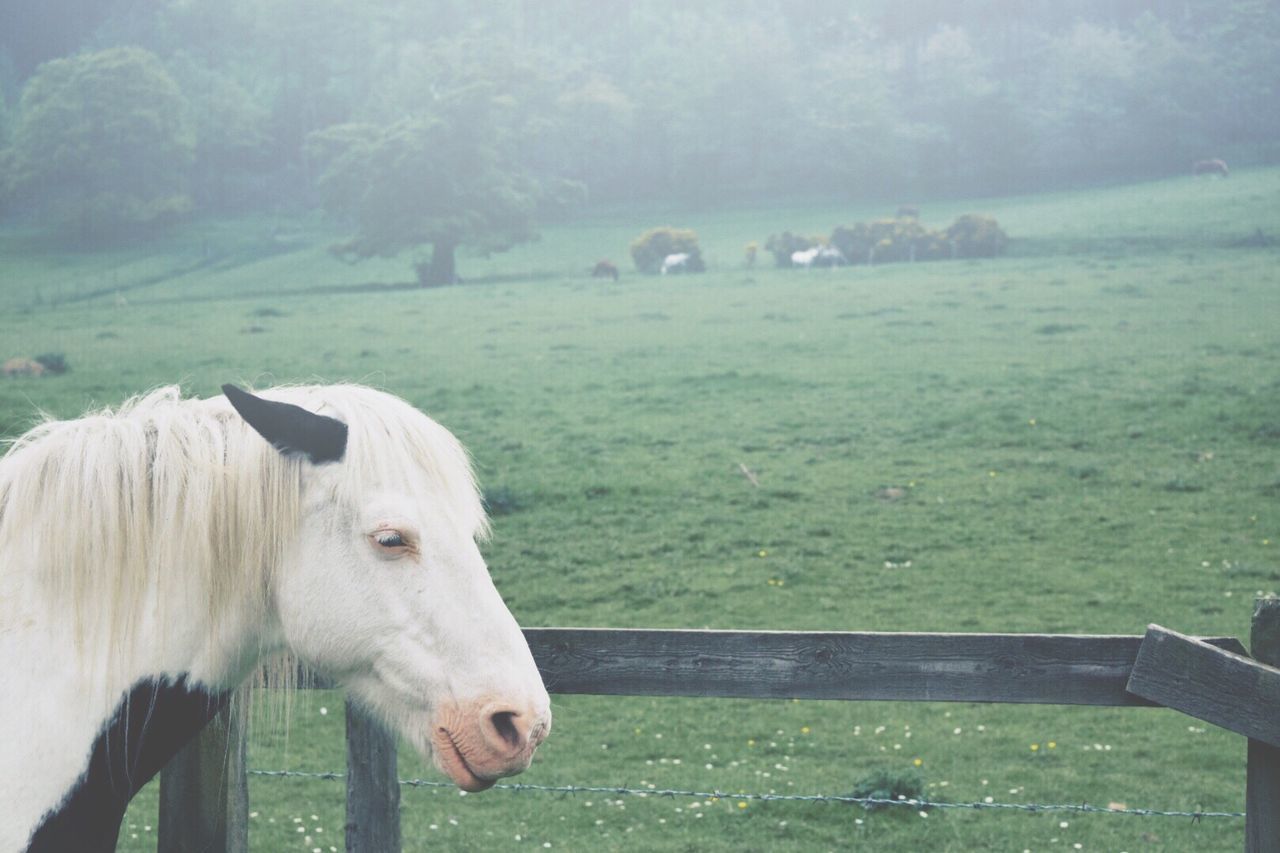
451	122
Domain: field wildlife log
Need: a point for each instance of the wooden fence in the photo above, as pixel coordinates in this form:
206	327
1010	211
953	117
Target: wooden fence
203	791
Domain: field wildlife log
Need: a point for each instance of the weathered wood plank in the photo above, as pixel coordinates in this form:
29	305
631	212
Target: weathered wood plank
1023	668
204	791
373	786
1229	690
1262	791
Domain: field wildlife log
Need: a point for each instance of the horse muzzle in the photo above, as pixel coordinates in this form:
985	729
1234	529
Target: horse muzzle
477	743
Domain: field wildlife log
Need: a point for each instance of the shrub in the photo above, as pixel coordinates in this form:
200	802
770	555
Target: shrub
884	240
889	785
650	248
783	246
977	236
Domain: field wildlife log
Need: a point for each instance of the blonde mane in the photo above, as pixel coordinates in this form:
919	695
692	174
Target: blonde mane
164	502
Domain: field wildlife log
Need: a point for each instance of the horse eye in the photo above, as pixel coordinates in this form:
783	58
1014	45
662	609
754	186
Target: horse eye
389	539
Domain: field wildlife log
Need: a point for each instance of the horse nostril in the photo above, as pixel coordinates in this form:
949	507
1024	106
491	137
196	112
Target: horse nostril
504	723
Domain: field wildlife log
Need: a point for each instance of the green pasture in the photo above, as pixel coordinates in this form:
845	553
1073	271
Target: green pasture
1079	437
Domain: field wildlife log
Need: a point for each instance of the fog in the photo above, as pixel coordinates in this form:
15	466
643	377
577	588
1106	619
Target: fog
472	122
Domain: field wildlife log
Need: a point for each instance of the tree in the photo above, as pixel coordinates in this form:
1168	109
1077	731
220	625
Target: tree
101	143
457	171
233	149
1086	81
971	134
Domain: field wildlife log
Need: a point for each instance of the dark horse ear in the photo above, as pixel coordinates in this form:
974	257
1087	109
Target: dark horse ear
291	429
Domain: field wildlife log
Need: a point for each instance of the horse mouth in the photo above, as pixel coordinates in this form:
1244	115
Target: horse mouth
449	758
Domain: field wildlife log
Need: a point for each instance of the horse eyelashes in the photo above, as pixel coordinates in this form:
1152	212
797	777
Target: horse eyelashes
389	539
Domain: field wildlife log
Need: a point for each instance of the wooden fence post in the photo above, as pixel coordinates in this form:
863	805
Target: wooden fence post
204	791
373	786
1262	800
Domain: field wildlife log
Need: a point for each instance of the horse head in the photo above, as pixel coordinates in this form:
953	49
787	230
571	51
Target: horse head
384	588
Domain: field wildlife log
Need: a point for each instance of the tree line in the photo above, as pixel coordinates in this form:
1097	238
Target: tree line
450	123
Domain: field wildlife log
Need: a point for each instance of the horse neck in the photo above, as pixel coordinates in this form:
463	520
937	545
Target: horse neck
94	725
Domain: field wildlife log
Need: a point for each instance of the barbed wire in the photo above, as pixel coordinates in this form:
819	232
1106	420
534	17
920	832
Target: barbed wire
918	803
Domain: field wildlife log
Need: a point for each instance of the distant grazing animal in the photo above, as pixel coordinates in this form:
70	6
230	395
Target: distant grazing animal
678	262
804	257
605	269
1210	167
818	256
908	211
154	556
22	367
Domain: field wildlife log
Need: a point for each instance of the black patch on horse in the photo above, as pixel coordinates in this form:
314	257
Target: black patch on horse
150	725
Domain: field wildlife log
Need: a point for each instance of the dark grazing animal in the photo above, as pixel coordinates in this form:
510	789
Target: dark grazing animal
605	269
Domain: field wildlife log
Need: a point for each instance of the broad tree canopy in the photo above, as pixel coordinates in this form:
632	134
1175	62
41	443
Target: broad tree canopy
457	171
101	143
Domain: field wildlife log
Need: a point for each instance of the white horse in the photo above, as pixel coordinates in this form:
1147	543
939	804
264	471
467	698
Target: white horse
804	258
679	262
153	557
818	256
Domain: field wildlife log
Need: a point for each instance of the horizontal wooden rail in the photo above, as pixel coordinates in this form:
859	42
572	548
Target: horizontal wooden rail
1056	669
1229	690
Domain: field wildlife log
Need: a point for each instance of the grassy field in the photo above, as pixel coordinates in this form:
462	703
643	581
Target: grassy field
1083	433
